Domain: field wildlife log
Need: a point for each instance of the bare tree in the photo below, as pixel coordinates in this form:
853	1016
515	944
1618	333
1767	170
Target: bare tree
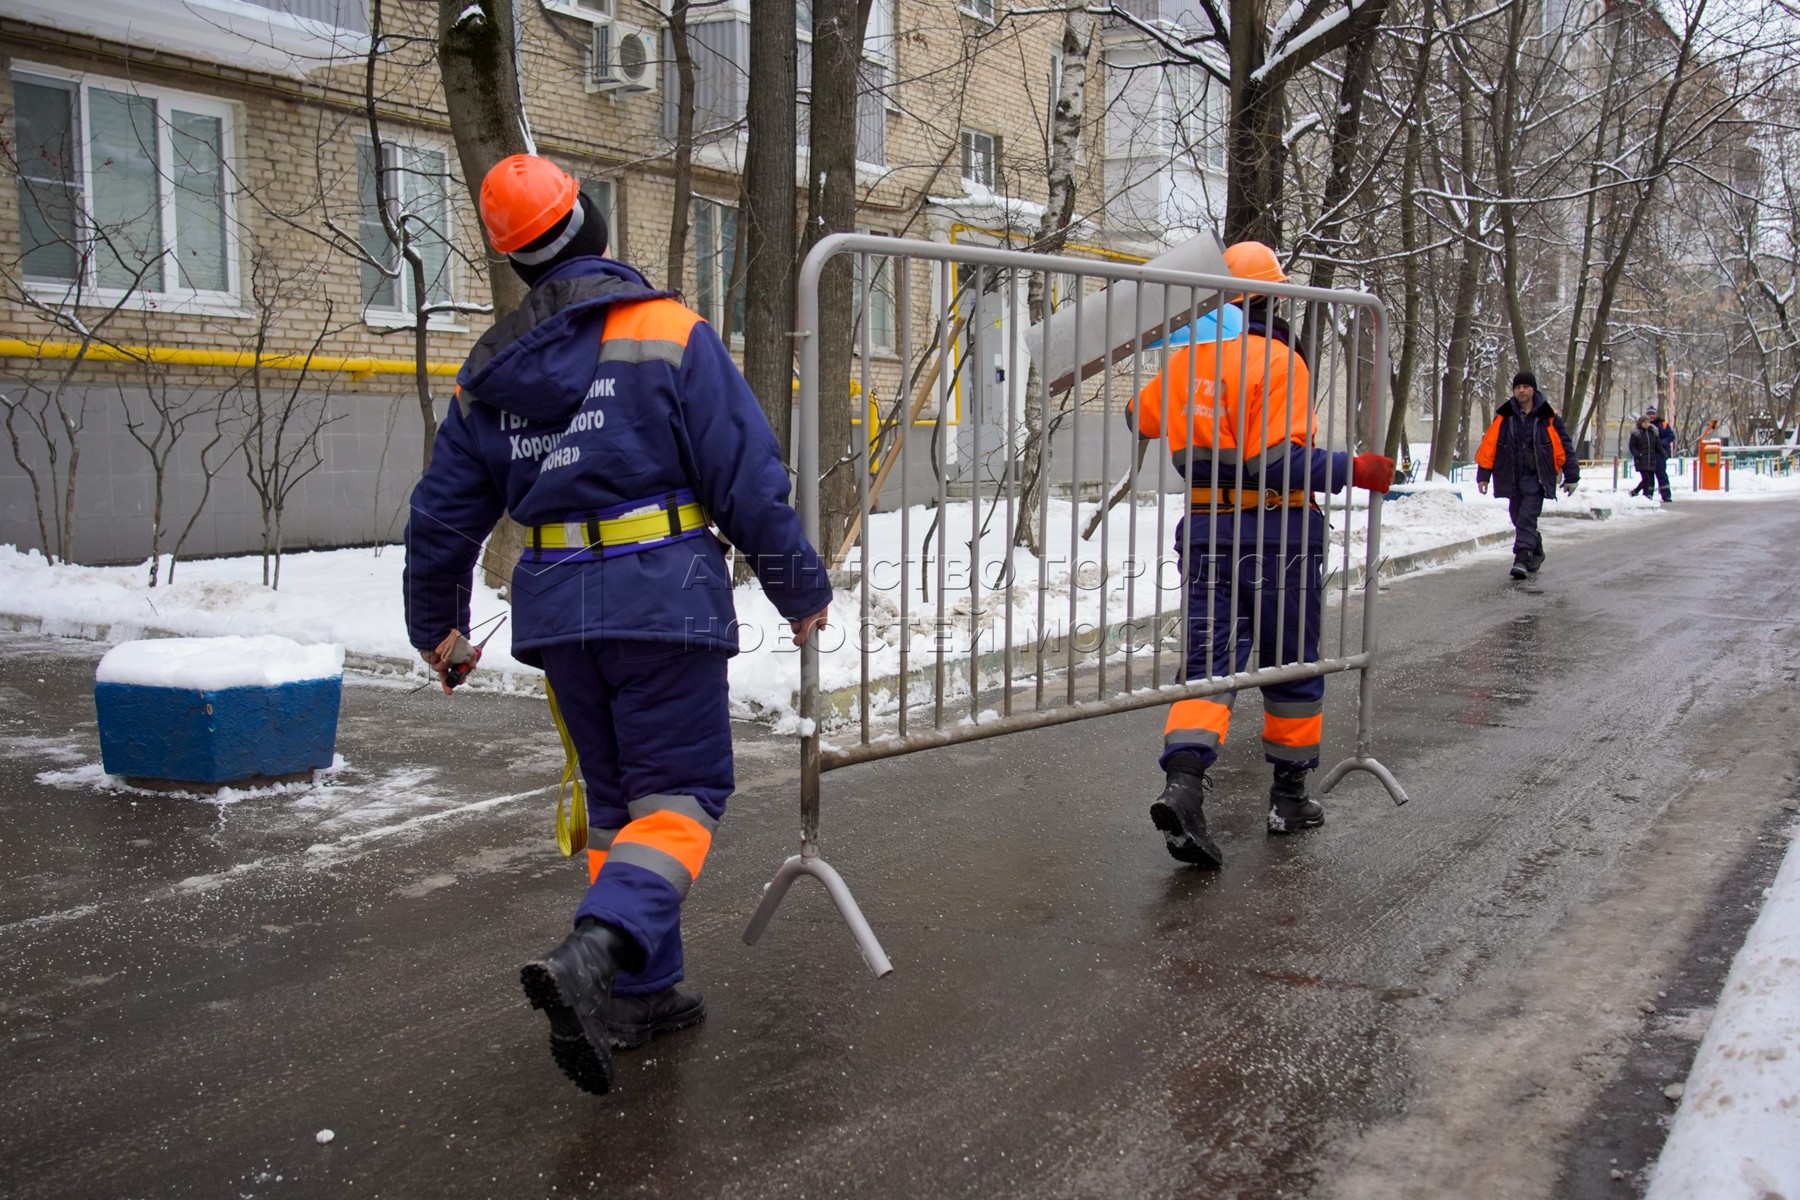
281	421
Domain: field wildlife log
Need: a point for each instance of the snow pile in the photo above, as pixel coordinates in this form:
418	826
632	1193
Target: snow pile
1734	1135
213	664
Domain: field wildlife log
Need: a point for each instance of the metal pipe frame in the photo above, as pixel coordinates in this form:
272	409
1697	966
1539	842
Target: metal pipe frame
815	756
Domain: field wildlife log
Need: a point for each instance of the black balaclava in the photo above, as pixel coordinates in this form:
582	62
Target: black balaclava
590	240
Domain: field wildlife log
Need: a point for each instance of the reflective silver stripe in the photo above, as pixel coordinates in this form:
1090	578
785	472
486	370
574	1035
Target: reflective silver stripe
1293	708
1192	737
544	254
600	839
1287	753
687	806
655	861
636	350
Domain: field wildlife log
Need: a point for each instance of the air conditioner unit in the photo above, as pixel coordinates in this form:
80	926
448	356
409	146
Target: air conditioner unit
623	59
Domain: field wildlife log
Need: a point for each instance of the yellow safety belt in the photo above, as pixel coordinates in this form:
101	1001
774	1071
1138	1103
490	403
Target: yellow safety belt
572	826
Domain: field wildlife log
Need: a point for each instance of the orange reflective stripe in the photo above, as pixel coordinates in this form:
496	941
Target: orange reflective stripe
596	860
1558	455
1207	715
1490	444
661	320
680	837
1293	731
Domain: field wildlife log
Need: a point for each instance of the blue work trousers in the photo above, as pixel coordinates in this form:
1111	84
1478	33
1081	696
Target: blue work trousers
1265	597
651	724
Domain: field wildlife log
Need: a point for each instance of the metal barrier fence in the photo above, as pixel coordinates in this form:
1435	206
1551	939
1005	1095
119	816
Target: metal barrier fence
975	659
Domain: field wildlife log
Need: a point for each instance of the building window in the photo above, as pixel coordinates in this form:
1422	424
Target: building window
417	181
977	8
980	157
605	195
122	189
874	76
1198	104
879	287
715	251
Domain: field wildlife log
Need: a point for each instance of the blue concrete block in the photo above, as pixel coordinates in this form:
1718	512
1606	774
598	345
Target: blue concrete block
218	736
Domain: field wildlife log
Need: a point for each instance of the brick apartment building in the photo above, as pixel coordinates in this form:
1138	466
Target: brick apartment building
194	183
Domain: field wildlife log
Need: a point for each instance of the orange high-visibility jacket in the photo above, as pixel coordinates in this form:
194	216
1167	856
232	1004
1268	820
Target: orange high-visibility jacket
1245	399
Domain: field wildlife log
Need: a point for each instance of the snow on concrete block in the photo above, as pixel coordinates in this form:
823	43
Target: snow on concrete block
204	712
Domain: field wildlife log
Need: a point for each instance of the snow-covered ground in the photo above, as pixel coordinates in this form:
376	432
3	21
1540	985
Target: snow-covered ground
352	597
1736	1135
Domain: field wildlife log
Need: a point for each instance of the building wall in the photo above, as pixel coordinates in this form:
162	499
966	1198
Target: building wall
293	173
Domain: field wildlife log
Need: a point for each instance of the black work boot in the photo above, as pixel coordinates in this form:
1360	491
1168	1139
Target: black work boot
573	984
1521	566
1534	560
631	1021
1290	808
1178	813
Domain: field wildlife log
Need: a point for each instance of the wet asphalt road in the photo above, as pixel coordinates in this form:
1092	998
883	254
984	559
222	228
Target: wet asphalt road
188	992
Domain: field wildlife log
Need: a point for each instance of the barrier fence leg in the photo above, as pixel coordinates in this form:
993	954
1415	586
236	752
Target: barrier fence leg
1364	759
818	868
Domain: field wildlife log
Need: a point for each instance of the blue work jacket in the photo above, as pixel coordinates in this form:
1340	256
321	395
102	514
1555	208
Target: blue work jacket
598	394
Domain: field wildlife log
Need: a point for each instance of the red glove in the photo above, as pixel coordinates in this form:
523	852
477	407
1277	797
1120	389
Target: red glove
1372	471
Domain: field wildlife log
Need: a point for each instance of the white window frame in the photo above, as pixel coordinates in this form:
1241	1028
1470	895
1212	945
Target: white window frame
402	316
1195	121
720	284
981	10
881	292
615	235
170	295
969	149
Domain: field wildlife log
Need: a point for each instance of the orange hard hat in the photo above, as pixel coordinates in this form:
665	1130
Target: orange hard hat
522	197
1253	260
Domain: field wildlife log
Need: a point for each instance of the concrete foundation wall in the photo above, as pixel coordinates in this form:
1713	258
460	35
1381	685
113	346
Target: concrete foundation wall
358	494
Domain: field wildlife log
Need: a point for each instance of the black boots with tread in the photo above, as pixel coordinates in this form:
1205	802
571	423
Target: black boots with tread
1290	808
1179	813
573	986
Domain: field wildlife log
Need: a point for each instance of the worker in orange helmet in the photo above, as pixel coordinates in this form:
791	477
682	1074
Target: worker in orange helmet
1235	412
609	420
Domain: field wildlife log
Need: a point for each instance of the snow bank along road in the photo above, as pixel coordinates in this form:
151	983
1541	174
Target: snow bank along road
1421	1002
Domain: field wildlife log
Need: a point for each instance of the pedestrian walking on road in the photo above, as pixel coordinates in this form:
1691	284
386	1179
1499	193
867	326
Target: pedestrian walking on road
1650	455
609	420
1667	437
1524	450
1251	432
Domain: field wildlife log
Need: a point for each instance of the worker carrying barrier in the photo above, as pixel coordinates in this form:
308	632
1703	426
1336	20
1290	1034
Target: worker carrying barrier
1186	544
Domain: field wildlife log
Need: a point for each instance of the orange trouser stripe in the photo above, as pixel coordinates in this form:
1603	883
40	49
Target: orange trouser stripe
596	860
679	836
1293	731
1206	715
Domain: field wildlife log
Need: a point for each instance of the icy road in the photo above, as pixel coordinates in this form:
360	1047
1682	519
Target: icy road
1483	993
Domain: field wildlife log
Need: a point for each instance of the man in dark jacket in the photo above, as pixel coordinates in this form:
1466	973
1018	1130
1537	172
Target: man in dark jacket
609	420
1650	455
1525	449
1666	436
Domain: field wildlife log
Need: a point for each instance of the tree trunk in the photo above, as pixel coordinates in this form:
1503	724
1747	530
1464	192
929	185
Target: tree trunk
767	237
478	59
1052	234
831	208
1411	331
682	155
